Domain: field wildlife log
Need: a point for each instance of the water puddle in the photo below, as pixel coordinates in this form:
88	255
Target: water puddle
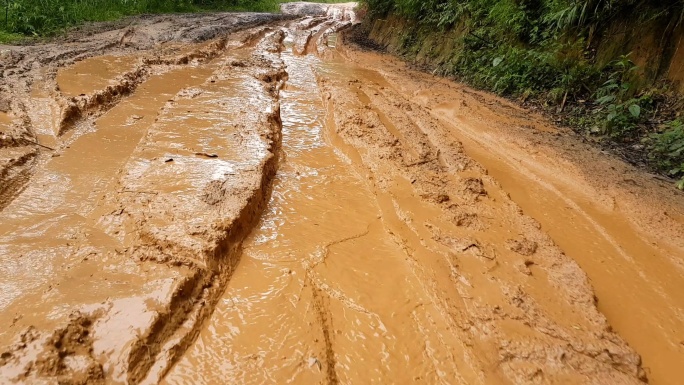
62	195
5	122
44	112
93	74
5	119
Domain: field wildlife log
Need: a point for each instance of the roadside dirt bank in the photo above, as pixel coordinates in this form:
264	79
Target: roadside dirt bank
387	238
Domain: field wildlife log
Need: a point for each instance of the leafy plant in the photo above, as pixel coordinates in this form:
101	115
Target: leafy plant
667	150
544	50
619	111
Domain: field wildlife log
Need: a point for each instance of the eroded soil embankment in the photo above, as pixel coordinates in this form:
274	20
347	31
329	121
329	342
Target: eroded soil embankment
388	253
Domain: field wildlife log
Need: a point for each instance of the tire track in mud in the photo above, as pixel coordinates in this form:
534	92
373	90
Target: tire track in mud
218	271
375	145
92	105
616	221
195	284
385	255
325	320
477	306
30	91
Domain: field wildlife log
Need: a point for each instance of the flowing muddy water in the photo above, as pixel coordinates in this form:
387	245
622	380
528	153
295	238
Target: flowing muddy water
94	74
66	193
353	276
247	210
5	119
310	275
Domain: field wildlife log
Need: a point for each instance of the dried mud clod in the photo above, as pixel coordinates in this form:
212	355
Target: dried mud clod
65	356
68	356
474	188
522	246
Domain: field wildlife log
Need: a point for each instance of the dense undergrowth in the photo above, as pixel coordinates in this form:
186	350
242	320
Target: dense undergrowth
20	18
544	50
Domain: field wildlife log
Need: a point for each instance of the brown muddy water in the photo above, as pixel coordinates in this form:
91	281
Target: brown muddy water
5	119
93	74
274	205
304	306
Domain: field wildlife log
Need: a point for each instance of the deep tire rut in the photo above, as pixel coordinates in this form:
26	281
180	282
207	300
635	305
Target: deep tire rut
252	199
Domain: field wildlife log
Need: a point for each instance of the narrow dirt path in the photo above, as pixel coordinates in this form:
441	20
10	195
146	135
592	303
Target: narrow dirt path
251	199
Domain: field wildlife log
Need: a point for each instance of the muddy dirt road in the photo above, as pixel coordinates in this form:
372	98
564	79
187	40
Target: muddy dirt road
251	199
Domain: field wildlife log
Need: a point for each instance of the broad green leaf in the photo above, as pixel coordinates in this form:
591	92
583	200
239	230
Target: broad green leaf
635	110
605	99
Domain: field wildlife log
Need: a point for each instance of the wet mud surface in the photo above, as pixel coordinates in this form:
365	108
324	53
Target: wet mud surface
245	198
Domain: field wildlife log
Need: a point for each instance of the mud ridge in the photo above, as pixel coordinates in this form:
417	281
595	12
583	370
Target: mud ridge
174	324
84	107
324	319
14	174
80	108
197	298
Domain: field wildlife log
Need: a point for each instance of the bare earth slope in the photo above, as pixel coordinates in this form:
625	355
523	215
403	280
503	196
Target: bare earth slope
244	199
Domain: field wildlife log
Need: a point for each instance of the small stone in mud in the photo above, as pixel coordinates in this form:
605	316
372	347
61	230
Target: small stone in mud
206	155
474	187
525	267
314	361
522	246
168	160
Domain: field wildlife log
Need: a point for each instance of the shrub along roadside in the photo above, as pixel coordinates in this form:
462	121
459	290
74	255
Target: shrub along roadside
544	50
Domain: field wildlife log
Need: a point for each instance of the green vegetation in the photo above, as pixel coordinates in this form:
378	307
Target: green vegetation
667	149
48	17
546	50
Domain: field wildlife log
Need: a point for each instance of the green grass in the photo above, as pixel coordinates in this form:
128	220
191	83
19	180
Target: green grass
7	37
27	18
